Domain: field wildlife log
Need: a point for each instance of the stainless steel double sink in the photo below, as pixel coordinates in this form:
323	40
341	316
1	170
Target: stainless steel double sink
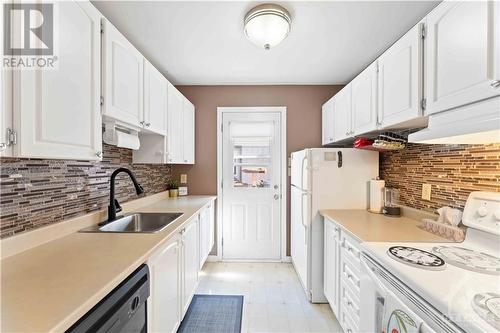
137	223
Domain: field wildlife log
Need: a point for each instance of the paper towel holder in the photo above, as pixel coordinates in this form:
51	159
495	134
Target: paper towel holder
112	127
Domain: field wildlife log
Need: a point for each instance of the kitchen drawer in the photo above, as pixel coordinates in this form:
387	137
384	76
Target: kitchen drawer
351	276
348	317
350	251
350	301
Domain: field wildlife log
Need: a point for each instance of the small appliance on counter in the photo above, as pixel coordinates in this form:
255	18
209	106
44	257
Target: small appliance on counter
391	202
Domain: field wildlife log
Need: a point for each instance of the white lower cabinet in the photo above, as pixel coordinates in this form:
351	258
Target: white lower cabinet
174	271
332	265
190	261
206	233
343	276
165	300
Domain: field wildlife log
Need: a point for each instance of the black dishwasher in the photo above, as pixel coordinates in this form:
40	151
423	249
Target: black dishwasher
122	310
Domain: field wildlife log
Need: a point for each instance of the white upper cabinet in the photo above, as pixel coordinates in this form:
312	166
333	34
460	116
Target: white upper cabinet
327	120
342	114
58	111
175	131
188	132
400	80
122	78
5	103
364	101
462	54
154	118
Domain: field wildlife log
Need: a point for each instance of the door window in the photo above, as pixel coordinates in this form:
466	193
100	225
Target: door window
252	162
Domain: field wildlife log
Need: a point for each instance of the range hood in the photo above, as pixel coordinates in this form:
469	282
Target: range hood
478	123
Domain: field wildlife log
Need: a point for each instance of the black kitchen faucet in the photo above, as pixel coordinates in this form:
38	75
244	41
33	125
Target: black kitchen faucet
114	206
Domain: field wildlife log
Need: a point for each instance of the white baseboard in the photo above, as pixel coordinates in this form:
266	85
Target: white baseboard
287	259
213	258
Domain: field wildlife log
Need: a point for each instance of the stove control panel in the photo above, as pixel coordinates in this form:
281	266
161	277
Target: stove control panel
482	211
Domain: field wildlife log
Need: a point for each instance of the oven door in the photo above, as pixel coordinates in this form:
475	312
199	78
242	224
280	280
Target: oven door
389	306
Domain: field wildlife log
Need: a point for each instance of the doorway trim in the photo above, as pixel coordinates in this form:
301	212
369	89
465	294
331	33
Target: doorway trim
284	175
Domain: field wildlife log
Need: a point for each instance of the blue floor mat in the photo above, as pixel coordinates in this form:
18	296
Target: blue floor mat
213	314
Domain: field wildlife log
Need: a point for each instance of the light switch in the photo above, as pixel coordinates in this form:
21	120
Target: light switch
184	178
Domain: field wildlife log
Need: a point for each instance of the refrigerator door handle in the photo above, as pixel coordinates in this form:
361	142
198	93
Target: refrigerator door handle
303	194
302	172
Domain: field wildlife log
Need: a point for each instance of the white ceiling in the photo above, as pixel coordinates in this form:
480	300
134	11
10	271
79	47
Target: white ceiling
203	42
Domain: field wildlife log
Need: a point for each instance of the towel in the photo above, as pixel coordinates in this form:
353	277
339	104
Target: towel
398	318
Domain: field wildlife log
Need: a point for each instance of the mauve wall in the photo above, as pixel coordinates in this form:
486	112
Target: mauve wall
303	123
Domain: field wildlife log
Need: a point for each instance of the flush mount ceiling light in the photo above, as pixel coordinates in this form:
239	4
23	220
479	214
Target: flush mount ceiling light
267	25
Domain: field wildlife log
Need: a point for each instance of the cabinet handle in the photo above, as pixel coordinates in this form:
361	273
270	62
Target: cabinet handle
379	123
142	123
98	153
148	124
495	84
185	161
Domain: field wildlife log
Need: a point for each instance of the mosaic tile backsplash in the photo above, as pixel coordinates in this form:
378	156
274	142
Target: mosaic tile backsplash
452	170
35	192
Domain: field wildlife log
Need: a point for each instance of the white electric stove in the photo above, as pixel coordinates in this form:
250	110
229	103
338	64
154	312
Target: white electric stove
446	287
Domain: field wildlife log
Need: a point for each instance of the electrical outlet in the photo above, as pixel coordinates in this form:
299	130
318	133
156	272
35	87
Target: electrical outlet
426	191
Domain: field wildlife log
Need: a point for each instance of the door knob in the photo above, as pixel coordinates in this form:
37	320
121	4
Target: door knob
276	187
276	196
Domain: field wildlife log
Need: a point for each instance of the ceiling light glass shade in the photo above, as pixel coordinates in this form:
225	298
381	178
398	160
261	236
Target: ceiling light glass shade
267	25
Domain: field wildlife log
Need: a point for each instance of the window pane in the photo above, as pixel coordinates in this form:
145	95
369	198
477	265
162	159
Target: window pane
251	163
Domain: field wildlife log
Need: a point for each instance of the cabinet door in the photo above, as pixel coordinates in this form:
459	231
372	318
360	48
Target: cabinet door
211	223
188	133
165	297
155	99
364	101
332	265
203	236
461	54
58	113
190	262
122	78
175	125
327	122
5	102
400	80
342	114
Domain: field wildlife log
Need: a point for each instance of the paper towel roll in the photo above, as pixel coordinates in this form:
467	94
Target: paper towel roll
126	140
376	195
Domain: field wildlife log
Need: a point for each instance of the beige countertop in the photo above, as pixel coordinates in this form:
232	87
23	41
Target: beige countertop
371	227
49	287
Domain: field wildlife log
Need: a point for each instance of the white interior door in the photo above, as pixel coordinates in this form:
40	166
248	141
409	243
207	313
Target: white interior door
251	185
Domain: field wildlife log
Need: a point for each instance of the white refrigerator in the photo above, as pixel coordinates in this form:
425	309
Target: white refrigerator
324	178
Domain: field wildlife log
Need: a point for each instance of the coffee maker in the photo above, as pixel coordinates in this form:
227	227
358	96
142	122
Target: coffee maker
391	202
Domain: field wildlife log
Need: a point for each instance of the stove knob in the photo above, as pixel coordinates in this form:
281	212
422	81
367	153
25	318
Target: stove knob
482	211
497	215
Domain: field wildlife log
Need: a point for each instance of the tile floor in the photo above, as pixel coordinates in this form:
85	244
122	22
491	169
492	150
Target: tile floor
274	299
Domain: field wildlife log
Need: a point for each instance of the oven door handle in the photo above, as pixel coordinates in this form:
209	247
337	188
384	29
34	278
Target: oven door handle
370	272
